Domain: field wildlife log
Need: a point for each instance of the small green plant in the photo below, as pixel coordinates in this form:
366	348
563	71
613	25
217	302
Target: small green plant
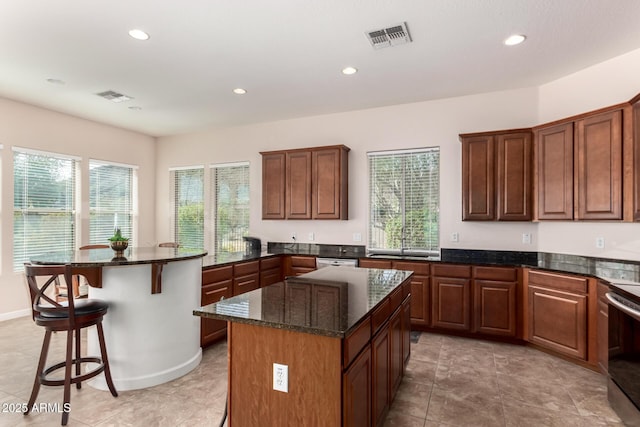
117	236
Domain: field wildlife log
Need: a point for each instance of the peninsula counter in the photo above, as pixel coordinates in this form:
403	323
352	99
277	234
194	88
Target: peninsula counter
150	332
341	332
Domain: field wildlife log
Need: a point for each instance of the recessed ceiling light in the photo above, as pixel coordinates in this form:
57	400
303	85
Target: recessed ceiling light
514	39
135	108
139	34
239	91
56	81
349	71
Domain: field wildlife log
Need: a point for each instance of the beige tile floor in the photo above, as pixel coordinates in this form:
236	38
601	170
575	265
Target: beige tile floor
449	382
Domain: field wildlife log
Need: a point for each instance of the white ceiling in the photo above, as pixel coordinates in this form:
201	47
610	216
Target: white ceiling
288	54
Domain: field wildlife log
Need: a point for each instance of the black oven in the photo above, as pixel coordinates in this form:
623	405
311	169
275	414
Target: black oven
624	351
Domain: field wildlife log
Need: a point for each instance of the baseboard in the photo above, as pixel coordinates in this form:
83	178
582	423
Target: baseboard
14	314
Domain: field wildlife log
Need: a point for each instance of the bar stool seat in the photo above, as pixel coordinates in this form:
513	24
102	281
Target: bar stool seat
70	316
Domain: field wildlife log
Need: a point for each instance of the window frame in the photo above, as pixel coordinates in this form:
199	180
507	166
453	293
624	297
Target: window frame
174	205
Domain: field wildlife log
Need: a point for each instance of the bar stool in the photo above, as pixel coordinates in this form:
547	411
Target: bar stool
71	315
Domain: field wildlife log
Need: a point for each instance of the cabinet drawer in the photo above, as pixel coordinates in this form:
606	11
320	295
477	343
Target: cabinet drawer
495	273
303	261
269	277
449	270
244	268
558	281
214	293
246	283
421	268
374	263
218	274
380	315
269	263
356	341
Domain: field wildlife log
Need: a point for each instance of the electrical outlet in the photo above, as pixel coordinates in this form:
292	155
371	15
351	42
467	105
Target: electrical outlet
455	237
357	237
600	242
281	377
312	236
526	238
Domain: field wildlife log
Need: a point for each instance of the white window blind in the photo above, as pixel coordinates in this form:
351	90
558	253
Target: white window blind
404	201
229	206
187	192
110	201
44	193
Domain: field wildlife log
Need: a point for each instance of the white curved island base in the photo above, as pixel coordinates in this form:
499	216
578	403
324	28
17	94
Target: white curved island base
150	338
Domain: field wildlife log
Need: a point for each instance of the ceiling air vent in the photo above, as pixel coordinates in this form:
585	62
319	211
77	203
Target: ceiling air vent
391	36
114	96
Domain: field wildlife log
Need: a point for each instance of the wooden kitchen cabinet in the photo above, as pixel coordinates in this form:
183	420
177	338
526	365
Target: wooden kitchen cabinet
330	172
557	312
599	166
420	291
273	185
357	388
406	332
380	350
451	297
246	276
635	112
298	185
603	328
270	271
374	263
495	300
396	360
497	176
217	283
579	168
295	265
307	183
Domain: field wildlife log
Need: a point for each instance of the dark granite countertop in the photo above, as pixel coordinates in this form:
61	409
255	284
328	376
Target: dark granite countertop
106	257
355	292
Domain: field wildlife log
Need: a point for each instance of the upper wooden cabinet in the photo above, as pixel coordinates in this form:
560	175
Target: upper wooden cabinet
310	183
636	157
580	168
496	176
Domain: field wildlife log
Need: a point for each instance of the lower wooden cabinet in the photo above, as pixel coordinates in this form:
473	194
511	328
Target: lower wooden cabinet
217	283
557	312
603	328
356	389
495	301
270	271
406	332
380	345
295	265
246	277
451	297
396	361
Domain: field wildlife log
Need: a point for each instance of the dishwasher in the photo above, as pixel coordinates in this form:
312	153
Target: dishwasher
337	262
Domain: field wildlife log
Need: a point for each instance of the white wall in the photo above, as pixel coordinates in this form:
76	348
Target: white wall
425	124
608	83
31	127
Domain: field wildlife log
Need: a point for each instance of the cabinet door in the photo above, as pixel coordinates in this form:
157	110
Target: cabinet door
329	182
554	164
599	162
451	303
558	321
495	307
380	377
406	332
396	361
514	177
273	186
478	175
603	328
295	265
420	291
298	185
357	392
212	329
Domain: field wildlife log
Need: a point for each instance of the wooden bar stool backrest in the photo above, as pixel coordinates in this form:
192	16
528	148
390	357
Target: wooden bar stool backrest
41	302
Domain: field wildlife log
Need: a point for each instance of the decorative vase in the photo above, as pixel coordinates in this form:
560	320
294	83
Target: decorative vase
119	246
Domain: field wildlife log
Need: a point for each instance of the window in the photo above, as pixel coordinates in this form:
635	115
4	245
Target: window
188	206
404	200
44	195
110	200
229	206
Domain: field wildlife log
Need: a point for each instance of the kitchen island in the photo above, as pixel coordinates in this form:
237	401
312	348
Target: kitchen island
334	342
150	332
